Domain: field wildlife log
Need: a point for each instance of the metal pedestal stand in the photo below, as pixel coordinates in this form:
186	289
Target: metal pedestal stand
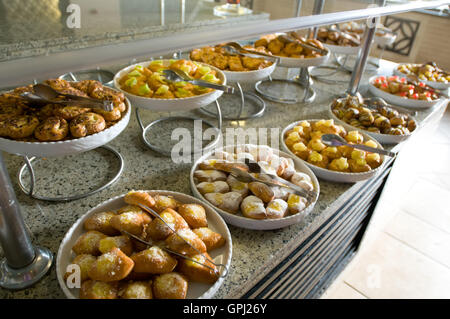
304	81
31	171
243	96
24	264
341	67
165	152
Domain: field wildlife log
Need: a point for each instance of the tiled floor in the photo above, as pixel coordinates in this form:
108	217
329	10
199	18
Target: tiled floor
406	252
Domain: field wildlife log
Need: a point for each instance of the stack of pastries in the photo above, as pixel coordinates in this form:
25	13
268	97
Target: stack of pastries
304	140
254	200
278	46
383	120
20	120
115	265
218	57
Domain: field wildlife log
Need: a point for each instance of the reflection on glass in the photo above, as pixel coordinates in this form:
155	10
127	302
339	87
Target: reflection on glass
231	8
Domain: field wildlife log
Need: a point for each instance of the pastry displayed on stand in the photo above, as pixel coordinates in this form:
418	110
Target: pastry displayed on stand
294	52
404	92
428	73
58	118
239	66
172	85
146	245
255	186
386	123
337	162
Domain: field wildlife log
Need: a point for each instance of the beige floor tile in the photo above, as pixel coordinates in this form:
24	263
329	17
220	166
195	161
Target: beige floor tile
390	269
341	290
415	233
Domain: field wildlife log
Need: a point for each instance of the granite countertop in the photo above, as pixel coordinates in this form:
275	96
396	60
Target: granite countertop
254	252
33	28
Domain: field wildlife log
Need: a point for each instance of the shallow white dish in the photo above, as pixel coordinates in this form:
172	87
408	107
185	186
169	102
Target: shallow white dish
249	76
341	49
330	175
398	100
264	224
168	105
382	138
195	290
301	63
68	147
433	84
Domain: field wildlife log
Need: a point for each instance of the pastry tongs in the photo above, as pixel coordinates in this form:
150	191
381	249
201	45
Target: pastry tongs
151	243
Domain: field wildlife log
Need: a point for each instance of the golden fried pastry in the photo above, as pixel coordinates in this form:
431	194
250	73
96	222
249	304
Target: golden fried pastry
195	271
52	129
185	242
262	191
332	152
194	214
153	260
87	124
301	150
237	186
296	203
276	208
354	137
88	243
170	286
318	159
235	64
302	180
93	289
253	207
19	126
136	198
132	222
211	239
358	166
85	262
109	116
122	242
129	208
213	187
111	266
101	222
162	202
158	230
136	290
228	202
340	165
209	175
374	160
70	112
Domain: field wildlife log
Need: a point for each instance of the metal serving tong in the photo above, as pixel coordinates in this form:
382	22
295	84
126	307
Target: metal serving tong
336	140
344	35
45	94
273	180
294	37
233	51
241	50
181	76
156	215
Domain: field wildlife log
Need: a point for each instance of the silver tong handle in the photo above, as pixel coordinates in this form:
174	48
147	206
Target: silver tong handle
309	195
221	87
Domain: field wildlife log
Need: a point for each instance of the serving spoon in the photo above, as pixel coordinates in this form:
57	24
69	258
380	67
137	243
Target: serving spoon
181	76
336	140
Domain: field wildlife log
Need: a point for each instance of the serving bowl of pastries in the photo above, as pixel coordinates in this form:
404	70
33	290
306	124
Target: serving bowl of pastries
57	129
383	122
289	50
186	252
340	41
254	205
342	164
401	91
429	73
383	35
146	85
237	68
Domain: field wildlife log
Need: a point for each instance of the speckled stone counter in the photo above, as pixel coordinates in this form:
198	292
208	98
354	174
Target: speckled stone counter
254	252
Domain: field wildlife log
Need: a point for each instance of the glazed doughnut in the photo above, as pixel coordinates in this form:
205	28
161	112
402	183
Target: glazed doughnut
153	260
213	187
194	214
109	116
253	207
85	262
132	222
136	290
170	286
296	203
195	271
52	129
18	127
136	198
122	242
93	289
211	239
111	266
70	112
88	243
162	202
185	242
87	124
277	208
158	230
101	222
261	190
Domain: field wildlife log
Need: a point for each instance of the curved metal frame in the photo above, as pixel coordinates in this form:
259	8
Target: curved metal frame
340	67
31	190
164	152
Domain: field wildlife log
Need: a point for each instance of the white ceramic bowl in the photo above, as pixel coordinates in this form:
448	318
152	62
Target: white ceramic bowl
398	100
330	175
168	105
196	290
249	76
341	49
239	220
382	138
301	63
68	147
433	84
387	39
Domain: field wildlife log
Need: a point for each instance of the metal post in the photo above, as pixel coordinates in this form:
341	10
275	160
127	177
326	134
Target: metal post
317	9
23	264
299	8
361	59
